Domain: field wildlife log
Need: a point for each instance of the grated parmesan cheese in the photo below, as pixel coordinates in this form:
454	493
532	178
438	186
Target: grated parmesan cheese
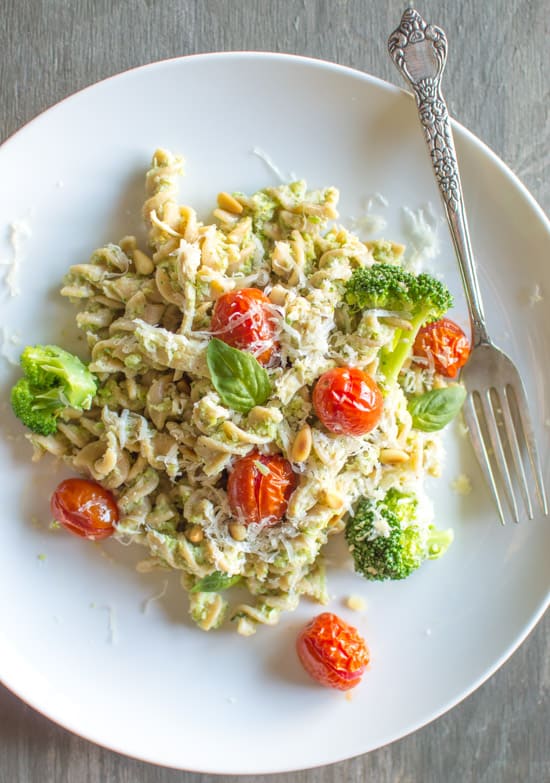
367	225
19	231
420	230
356	603
461	484
536	296
148	601
8	340
268	160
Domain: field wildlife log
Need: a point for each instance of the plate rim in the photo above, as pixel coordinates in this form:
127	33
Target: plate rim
531	201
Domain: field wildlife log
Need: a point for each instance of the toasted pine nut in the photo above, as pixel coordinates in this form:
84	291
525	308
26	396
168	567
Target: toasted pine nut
301	447
194	534
128	245
397	248
260	415
229	203
143	264
418	456
336	524
237	531
332	498
227	218
393	456
278	295
217	288
439	382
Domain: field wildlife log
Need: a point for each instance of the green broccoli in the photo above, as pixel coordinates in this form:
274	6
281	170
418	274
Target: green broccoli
407	545
53	380
421	298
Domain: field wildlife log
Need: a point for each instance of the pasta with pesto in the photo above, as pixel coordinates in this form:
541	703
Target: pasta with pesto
159	434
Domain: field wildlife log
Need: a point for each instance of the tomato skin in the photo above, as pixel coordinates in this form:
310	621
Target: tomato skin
244	319
85	508
332	652
347	401
444	343
255	497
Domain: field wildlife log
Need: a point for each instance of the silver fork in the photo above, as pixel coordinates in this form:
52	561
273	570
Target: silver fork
496	410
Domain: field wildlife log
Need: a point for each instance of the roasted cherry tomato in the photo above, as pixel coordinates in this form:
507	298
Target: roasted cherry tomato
85	508
445	344
245	319
332	652
347	401
259	487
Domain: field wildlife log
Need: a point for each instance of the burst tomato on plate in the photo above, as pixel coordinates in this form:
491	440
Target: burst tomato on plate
332	652
85	508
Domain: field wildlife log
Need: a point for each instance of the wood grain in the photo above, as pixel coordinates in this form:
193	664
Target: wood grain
497	85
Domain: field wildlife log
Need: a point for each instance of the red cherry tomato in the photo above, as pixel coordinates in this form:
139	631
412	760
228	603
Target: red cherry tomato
445	344
245	319
259	487
332	652
85	508
347	401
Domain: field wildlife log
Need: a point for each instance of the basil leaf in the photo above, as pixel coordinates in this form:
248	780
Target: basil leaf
238	377
215	582
434	409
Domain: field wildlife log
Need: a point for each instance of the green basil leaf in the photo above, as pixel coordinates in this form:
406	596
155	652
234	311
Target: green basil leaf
238	377
215	582
434	409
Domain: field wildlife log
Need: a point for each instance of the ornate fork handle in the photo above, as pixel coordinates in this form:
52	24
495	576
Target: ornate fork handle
419	51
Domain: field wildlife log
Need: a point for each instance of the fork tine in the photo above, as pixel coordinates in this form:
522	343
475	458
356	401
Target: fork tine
498	450
476	436
516	453
522	407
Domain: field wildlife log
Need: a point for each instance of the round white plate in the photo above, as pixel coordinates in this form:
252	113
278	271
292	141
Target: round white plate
75	642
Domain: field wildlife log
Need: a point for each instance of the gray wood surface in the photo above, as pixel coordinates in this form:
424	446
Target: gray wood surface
497	85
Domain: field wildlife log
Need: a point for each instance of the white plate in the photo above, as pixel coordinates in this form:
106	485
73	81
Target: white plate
161	690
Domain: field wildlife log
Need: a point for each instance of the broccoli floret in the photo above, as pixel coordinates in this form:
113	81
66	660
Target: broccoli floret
53	380
404	549
421	298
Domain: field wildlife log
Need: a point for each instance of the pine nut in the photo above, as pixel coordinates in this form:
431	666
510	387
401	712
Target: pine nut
143	264
128	245
439	382
278	295
194	534
229	203
301	447
332	498
237	531
393	456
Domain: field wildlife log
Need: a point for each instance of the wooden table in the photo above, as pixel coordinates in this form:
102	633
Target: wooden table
497	85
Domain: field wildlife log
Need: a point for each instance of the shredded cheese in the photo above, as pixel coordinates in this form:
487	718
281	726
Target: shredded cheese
19	232
420	230
268	160
356	603
536	296
461	484
148	601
